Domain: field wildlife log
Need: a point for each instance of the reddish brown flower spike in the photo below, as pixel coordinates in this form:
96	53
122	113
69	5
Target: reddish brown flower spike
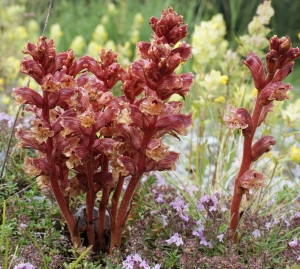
168	27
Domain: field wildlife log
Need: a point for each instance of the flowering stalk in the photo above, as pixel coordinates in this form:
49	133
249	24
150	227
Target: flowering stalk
90	141
279	64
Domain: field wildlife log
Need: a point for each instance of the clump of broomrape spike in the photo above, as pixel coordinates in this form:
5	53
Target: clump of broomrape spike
88	140
268	82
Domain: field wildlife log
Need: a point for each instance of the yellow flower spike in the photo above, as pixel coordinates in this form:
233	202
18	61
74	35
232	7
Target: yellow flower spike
254	92
224	79
1	85
78	44
295	155
299	36
220	100
5	99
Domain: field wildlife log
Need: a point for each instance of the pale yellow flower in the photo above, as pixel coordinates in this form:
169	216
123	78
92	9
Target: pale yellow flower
224	79
295	155
254	92
219	100
5	99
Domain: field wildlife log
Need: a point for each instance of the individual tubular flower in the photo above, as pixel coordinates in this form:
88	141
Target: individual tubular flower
274	91
156	150
41	131
36	166
251	180
262	146
24	95
239	119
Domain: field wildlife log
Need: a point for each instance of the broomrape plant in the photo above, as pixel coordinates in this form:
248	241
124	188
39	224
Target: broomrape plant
89	141
279	64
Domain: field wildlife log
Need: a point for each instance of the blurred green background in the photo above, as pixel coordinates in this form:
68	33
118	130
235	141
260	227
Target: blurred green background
81	17
89	25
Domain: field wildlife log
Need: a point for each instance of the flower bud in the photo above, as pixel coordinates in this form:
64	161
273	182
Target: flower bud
274	43
262	146
272	61
169	26
284	45
255	65
239	119
32	68
291	55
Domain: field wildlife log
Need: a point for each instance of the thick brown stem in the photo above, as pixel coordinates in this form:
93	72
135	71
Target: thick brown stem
114	208
67	214
116	234
90	203
101	220
62	203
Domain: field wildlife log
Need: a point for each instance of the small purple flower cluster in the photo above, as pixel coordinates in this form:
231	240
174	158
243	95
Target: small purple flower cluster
135	261
24	266
181	208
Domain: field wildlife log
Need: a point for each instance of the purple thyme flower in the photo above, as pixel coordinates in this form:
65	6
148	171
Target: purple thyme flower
287	223
24	266
294	243
180	206
204	199
164	220
198	231
220	237
256	233
6	118
131	261
268	225
23	226
160	198
144	265
176	238
223	208
215	202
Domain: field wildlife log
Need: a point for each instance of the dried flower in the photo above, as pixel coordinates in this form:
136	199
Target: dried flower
239	119
251	180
